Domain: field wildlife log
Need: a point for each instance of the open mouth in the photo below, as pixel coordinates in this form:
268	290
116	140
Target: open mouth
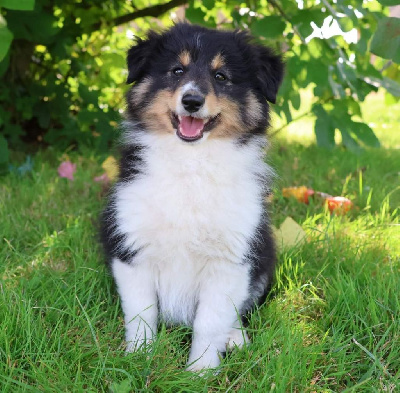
190	128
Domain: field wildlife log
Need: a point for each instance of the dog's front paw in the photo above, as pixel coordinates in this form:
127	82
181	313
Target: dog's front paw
139	340
138	345
237	338
201	362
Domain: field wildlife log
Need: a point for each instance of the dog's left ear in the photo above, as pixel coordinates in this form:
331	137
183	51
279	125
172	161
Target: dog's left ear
270	72
139	55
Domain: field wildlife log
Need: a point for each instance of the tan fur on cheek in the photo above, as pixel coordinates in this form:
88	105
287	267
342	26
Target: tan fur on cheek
174	100
139	91
230	122
253	109
217	62
184	58
156	116
212	105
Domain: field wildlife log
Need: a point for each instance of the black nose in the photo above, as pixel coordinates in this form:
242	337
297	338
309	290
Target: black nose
192	103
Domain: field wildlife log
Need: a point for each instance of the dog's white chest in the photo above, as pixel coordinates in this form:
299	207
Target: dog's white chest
194	206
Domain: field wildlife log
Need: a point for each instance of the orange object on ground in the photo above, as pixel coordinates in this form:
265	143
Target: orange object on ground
339	205
300	193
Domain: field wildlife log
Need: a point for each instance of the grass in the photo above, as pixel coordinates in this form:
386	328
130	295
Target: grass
332	322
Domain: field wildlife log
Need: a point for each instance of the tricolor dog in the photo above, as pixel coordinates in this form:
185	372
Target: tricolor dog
185	229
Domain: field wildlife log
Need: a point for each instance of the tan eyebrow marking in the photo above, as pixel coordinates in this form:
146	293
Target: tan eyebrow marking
184	58
217	62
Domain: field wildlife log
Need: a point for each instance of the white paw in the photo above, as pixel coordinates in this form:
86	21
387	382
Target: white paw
139	338
237	338
138	345
202	362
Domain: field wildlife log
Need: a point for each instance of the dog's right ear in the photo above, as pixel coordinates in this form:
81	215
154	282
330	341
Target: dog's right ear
270	72
139	55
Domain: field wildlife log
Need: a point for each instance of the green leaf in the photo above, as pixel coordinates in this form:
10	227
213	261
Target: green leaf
390	85
353	106
209	4
297	71
324	129
316	47
87	118
317	73
4	155
342	121
363	40
295	99
195	15
364	67
348	140
269	27
4	64
3	150
20	5
365	134
303	18
386	40
6	38
337	88
24	25
345	23
389	2
43	114
13	132
286	110
88	96
353	133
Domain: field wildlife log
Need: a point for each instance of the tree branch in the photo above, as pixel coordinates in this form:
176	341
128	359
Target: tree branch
154	10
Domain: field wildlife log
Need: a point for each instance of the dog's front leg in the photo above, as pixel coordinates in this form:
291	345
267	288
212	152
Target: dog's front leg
139	302
222	294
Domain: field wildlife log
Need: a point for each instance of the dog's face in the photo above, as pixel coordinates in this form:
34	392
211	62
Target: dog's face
198	83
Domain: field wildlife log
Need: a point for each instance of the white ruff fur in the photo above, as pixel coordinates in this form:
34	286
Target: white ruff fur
192	216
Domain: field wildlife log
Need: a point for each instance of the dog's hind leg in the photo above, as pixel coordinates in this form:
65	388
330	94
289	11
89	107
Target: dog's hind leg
139	303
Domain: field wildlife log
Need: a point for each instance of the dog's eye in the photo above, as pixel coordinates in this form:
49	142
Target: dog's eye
220	77
178	71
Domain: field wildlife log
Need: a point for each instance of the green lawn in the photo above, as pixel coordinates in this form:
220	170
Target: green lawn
332	323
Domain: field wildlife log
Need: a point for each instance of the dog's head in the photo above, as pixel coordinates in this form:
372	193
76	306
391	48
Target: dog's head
195	82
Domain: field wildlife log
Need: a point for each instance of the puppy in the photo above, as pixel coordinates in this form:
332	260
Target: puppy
185	228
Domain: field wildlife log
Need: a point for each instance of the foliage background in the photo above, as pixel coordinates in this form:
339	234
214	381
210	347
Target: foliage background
62	63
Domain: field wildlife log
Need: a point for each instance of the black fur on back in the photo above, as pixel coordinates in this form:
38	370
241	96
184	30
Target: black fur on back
130	166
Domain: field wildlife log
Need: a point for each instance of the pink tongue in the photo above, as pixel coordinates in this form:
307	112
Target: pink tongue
191	126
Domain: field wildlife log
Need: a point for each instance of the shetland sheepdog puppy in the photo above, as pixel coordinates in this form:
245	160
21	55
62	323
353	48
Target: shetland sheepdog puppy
185	229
